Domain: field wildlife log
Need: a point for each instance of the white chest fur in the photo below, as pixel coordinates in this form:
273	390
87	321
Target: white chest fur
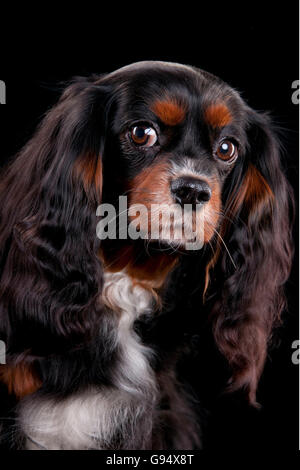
133	374
92	418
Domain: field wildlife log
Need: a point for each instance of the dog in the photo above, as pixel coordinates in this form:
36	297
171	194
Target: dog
81	314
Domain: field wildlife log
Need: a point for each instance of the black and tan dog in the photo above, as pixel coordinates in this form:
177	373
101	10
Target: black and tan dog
83	375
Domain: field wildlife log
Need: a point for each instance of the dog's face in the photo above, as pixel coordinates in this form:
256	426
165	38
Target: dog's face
175	135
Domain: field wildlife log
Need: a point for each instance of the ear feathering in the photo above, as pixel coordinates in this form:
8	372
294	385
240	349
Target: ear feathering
257	231
51	276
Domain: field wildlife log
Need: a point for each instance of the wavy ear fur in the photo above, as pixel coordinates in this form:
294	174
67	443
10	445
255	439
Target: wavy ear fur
257	232
51	277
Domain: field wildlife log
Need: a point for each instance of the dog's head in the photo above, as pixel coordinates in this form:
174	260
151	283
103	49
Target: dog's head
175	135
165	136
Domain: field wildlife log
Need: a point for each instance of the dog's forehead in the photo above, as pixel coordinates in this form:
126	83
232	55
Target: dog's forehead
171	90
159	78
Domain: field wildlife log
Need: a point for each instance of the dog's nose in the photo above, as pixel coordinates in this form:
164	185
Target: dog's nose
189	190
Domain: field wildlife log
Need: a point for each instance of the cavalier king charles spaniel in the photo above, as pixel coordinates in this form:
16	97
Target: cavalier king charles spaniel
88	321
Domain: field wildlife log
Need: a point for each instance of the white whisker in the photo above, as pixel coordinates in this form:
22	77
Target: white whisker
225	247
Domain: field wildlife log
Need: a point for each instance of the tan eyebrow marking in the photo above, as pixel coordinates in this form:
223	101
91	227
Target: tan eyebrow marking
217	115
170	112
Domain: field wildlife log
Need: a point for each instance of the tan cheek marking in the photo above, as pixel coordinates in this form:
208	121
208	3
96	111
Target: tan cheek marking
151	186
169	112
212	212
217	115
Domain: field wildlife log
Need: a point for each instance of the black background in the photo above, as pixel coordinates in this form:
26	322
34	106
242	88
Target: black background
254	47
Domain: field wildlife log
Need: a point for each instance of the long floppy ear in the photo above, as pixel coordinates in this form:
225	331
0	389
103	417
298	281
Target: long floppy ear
50	273
257	232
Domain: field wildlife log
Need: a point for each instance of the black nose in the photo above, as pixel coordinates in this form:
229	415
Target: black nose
189	190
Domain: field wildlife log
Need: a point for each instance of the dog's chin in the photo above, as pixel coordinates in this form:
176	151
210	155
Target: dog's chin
168	245
192	242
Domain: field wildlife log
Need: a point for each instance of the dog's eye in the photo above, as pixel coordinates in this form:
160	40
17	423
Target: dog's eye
143	136
227	150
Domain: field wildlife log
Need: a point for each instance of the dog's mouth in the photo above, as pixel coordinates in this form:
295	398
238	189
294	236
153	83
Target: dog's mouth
169	225
187	227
